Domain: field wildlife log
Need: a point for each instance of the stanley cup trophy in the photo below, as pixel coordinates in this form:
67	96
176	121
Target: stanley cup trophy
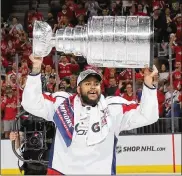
106	41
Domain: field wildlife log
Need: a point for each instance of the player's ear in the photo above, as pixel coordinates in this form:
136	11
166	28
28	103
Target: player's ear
78	89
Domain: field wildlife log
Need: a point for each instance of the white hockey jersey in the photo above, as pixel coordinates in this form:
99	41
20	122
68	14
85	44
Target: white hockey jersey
70	153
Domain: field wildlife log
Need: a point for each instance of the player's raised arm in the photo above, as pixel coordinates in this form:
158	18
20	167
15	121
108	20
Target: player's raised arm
135	116
34	100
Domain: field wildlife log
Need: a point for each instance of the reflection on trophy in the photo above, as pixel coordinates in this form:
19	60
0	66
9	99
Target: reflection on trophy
106	41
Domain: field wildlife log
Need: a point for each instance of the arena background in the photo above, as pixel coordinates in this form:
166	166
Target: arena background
152	149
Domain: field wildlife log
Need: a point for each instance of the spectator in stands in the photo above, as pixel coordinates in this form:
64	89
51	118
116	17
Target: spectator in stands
139	76
163	76
34	15
3	85
24	69
3	91
10	47
92	8
37	14
109	72
65	12
105	12
3	63
50	20
146	7
176	76
27	20
126	75
172	96
81	20
80	10
51	84
53	72
34	3
49	60
112	8
9	109
128	94
131	11
65	82
29	15
175	8
169	27
158	24
4	46
139	11
12	81
176	47
15	25
127	5
169	99
139	87
116	9
67	68
47	72
163	73
14	72
62	23
71	5
55	7
178	21
30	27
112	87
4	28
72	86
121	89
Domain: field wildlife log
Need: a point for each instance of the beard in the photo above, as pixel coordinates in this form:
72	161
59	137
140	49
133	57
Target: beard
86	100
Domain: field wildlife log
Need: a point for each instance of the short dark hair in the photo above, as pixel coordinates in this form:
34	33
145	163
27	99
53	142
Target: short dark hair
14	17
52	76
3	77
66	80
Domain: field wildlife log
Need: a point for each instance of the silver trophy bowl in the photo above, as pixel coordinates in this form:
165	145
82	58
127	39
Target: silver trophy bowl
106	41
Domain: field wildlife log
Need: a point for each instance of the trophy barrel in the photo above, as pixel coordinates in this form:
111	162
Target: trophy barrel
119	41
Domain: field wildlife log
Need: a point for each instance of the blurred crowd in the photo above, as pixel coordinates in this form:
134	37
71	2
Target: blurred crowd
60	70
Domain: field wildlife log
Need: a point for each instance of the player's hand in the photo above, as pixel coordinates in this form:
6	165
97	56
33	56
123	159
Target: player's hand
172	37
120	85
73	61
149	76
13	136
36	61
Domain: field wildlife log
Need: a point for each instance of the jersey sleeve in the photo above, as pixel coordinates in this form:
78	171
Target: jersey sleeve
131	115
40	104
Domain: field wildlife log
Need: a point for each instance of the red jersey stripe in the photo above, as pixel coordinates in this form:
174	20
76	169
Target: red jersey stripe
51	171
50	98
127	108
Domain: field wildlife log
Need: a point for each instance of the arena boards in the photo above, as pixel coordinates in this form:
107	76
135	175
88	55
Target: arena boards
135	154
